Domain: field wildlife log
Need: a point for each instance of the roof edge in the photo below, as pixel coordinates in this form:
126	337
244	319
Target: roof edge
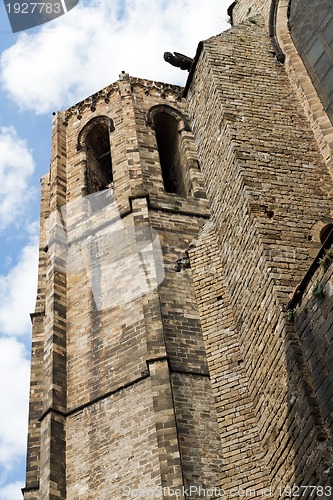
193	68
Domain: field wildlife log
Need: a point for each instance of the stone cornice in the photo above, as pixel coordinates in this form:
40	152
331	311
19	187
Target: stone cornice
149	86
90	102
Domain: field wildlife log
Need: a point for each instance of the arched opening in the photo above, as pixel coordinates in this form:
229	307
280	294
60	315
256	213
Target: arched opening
168	143
325	232
95	139
99	163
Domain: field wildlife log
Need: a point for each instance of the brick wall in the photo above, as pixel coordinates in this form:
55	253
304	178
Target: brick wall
203	380
105	446
296	71
242	452
249	9
127	397
313	321
267	185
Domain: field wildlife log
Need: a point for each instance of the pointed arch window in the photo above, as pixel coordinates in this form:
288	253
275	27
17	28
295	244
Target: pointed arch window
166	129
169	125
95	139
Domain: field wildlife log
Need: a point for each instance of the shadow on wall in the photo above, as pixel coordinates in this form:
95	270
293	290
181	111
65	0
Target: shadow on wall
309	354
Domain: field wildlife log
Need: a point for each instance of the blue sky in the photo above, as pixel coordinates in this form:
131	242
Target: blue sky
43	70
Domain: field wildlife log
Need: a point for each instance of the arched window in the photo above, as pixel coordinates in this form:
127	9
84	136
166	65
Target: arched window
95	139
168	142
311	28
325	232
176	150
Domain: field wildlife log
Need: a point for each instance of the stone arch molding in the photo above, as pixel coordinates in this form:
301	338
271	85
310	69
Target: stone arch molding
318	229
176	149
169	125
165	108
89	126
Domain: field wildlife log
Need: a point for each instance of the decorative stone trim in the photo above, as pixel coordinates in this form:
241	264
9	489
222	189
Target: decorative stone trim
168	109
90	102
88	127
164	90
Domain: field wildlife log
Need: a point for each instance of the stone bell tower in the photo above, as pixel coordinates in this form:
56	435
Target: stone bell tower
121	400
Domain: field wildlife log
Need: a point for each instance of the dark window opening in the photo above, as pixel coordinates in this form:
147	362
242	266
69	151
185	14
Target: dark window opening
168	142
311	28
99	162
325	232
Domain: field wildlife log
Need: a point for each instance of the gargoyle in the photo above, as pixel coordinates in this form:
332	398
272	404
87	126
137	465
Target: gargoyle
178	60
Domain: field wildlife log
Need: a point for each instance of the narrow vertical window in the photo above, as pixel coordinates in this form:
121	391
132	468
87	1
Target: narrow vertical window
95	139
99	164
168	143
177	153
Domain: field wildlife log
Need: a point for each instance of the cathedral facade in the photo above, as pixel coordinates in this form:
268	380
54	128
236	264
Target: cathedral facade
182	335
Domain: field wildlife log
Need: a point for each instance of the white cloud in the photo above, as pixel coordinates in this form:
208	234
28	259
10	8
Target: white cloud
14	387
18	293
86	49
16	167
17	297
11	491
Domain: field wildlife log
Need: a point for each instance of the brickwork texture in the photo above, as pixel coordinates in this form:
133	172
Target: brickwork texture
183	323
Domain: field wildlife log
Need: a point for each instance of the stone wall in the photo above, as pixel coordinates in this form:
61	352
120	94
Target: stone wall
200	377
312	314
249	9
242	452
267	185
105	446
127	398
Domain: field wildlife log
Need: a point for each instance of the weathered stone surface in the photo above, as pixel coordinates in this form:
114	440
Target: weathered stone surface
119	366
206	380
268	186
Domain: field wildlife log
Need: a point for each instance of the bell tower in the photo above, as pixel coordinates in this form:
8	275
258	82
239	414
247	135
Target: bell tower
121	401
